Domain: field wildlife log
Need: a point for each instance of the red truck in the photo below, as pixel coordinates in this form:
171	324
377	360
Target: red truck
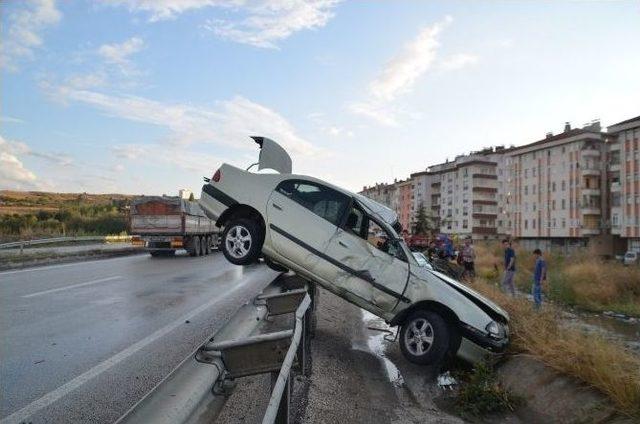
167	223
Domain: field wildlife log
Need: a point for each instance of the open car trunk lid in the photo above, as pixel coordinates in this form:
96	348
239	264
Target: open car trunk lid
273	156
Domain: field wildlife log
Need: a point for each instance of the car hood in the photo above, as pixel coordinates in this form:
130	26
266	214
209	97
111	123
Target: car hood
493	310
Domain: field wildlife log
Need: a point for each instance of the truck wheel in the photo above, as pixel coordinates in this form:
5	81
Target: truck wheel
155	253
196	246
203	246
241	241
274	266
424	338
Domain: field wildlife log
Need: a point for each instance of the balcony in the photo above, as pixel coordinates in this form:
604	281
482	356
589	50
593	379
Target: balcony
615	186
590	153
614	146
435	184
485	190
486	176
590	231
590	210
484	230
485	215
591	191
590	170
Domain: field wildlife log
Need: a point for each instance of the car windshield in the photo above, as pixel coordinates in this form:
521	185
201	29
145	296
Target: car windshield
631	255
421	259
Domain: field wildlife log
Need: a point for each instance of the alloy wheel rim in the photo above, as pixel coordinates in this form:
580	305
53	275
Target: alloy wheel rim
238	241
418	338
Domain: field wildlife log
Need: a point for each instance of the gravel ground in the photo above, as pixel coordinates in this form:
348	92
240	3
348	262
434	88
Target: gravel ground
358	377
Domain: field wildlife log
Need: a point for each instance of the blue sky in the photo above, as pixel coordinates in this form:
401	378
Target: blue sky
144	96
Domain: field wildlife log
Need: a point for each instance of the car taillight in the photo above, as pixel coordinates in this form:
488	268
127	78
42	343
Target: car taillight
217	176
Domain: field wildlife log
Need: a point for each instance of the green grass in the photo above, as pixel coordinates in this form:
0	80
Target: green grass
481	394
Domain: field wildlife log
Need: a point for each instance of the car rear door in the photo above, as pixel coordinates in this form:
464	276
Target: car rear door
368	261
302	217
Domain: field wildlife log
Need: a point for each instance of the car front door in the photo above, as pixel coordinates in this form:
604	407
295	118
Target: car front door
302	217
372	265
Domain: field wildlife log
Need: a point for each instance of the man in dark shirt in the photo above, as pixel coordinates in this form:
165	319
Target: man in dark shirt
509	268
539	275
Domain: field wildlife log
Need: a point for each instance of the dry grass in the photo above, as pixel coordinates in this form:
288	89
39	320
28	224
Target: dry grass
600	363
580	280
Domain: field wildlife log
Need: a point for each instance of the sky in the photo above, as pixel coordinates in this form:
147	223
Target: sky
149	96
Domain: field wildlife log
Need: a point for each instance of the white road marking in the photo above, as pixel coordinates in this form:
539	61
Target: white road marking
80	263
73	286
46	400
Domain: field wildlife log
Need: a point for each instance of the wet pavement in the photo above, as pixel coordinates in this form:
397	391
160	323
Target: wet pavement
83	342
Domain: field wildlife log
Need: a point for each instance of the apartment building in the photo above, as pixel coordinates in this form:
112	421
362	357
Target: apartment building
423	187
556	187
467	193
623	178
578	187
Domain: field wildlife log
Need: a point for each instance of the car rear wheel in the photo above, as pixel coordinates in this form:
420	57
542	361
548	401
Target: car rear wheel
424	338
241	241
203	246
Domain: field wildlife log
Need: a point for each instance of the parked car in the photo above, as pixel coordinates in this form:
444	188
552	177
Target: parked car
346	243
630	258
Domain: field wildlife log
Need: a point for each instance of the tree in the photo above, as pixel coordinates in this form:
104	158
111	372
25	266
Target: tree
191	197
422	226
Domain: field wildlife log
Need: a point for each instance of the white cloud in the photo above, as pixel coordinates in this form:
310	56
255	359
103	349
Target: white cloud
118	53
13	174
228	122
458	61
24	27
376	111
402	72
11	120
260	23
168	9
19	148
268	22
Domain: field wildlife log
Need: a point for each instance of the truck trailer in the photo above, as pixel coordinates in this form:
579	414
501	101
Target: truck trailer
164	224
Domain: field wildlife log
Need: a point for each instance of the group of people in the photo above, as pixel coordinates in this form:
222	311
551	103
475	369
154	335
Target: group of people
467	256
539	273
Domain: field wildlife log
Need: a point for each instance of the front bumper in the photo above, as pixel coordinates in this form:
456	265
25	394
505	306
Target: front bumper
476	346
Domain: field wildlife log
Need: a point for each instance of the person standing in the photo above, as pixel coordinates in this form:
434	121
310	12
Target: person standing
539	275
509	268
468	260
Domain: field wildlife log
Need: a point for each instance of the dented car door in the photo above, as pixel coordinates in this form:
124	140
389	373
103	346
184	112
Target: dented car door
372	264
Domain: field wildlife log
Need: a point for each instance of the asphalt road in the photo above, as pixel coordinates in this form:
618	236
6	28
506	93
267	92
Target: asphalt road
83	342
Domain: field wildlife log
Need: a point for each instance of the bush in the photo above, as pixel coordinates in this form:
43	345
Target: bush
481	393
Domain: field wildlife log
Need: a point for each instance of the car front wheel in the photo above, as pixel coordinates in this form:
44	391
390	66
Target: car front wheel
424	338
241	241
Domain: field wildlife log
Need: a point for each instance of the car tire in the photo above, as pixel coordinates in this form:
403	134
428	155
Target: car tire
274	265
241	241
196	246
424	338
155	253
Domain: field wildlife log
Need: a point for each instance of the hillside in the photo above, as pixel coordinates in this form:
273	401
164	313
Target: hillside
31	214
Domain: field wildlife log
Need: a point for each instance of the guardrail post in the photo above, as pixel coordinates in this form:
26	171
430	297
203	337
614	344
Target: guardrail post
21	247
282	416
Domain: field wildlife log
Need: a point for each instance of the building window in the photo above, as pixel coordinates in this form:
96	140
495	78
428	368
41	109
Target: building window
563	204
533	189
564	185
526	224
553	186
564	223
526	189
533	224
553	205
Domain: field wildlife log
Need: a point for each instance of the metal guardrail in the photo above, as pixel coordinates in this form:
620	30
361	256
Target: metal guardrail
26	243
196	390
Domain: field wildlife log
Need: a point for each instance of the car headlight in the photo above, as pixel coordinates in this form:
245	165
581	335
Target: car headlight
495	330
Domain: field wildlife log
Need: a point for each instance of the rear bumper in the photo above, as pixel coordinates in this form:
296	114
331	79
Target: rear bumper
214	202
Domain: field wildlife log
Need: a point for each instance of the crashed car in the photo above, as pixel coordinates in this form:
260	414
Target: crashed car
347	243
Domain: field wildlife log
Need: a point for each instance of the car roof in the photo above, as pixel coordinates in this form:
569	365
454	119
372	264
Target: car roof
374	208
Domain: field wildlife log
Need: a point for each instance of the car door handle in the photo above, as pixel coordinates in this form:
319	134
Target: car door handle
365	274
343	244
277	206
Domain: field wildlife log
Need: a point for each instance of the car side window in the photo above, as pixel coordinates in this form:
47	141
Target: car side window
362	226
323	201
